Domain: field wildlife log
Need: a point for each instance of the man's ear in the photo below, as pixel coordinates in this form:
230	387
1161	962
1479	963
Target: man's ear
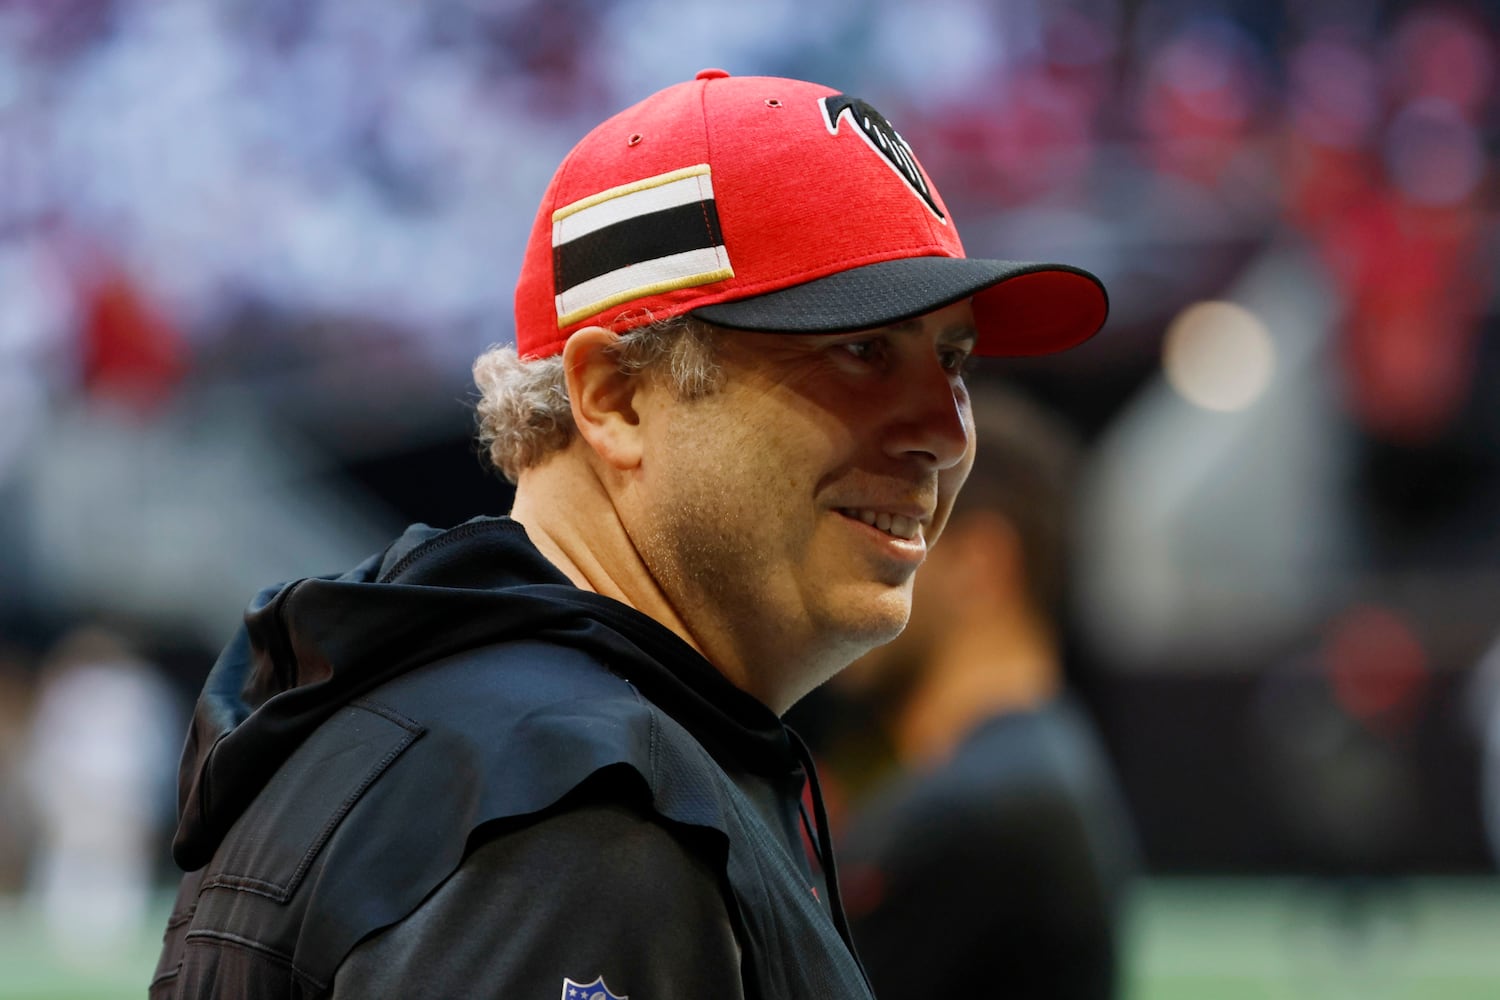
602	397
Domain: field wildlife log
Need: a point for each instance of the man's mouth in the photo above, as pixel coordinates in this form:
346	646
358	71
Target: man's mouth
898	525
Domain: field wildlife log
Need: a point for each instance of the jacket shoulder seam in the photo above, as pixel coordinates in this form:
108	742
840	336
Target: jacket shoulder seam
282	891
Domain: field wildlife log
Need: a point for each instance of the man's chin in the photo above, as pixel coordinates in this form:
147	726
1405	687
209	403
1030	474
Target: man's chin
877	622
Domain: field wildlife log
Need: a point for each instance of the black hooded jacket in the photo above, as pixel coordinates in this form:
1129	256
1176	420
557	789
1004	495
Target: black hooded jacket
449	772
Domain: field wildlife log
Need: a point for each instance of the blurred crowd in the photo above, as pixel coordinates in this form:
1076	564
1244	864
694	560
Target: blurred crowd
249	248
170	167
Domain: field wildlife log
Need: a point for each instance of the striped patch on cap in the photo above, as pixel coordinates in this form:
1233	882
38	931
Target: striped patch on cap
656	235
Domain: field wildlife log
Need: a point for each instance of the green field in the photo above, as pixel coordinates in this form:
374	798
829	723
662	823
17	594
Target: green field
1190	939
1263	939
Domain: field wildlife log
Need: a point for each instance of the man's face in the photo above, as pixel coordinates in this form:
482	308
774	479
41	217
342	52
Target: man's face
752	508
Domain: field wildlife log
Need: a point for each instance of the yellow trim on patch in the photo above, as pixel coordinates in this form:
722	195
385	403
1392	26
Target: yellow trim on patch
691	281
624	189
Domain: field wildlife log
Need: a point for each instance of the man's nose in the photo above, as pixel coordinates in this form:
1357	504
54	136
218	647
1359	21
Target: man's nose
927	418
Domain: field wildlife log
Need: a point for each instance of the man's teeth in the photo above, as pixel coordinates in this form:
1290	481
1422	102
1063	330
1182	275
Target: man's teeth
893	524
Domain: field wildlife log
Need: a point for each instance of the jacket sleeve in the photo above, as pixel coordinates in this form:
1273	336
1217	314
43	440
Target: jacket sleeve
600	890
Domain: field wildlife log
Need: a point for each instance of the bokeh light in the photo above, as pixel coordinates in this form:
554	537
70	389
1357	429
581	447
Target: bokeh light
1219	356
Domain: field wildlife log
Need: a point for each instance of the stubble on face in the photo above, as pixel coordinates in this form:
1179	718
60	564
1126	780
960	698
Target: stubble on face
732	540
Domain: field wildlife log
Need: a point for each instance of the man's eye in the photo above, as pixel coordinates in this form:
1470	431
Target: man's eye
956	361
864	350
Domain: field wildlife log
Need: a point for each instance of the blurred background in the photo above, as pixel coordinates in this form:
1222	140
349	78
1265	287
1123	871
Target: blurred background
248	249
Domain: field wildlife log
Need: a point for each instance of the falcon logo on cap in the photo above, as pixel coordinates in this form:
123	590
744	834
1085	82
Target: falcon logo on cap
883	138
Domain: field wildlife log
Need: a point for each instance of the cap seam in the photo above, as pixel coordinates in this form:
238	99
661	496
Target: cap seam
708	158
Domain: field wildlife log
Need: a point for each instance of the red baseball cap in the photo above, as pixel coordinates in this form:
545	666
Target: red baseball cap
766	204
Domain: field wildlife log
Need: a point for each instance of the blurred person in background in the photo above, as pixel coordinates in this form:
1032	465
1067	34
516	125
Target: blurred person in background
1003	851
542	755
1483	704
17	823
97	765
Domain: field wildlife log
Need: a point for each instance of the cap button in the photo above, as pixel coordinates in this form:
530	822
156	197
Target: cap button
711	74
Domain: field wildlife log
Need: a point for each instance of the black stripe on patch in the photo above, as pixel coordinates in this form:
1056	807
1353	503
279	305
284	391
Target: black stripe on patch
694	226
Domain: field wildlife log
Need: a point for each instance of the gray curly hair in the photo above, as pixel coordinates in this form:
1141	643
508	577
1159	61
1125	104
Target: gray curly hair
524	414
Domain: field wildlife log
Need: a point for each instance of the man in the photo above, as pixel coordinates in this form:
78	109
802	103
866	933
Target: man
541	756
1003	851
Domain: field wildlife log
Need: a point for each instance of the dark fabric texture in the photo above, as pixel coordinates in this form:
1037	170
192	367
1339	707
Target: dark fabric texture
1007	866
369	739
597	890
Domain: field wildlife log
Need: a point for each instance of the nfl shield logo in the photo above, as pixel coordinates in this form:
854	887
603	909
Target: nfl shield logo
588	991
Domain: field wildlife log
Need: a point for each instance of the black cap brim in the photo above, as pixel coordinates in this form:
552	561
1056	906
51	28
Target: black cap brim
1019	308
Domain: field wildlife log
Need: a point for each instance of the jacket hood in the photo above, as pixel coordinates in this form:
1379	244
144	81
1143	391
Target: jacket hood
309	647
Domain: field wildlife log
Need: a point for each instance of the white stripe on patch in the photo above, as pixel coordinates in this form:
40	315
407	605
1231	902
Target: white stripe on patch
680	187
650	277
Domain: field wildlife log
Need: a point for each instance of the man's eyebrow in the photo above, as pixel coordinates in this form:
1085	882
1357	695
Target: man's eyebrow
959	332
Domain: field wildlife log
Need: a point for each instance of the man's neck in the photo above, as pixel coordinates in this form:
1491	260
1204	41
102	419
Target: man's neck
572	519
